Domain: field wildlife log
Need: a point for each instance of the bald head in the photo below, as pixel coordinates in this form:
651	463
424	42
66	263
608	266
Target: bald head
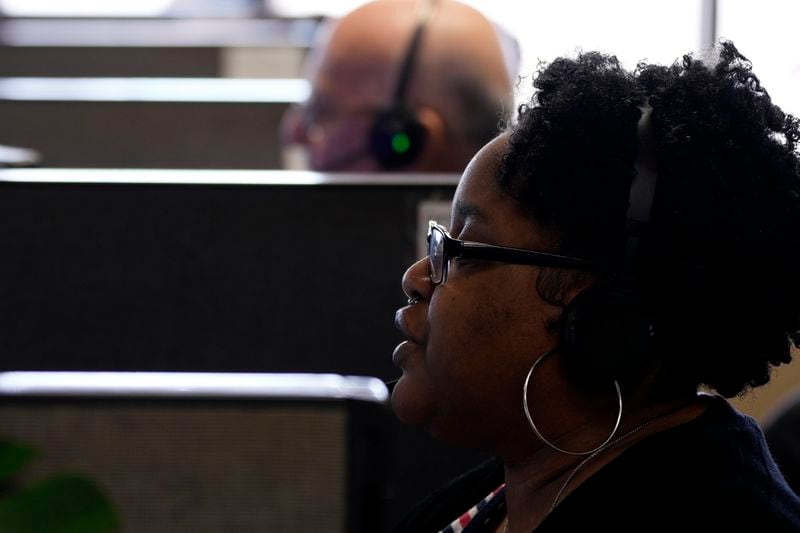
459	86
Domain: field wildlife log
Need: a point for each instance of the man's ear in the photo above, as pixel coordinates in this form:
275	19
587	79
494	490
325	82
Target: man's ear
437	155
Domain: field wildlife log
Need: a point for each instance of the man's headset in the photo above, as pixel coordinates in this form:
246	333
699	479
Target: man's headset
396	136
606	331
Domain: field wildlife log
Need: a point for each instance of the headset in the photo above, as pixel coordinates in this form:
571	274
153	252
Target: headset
397	137
606	331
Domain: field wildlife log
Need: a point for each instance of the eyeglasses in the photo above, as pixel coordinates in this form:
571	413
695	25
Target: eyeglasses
324	115
442	247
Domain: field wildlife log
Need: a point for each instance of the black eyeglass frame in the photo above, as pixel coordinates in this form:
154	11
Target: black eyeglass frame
456	248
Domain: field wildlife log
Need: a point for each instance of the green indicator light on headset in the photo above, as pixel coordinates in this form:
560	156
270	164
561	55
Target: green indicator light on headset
400	143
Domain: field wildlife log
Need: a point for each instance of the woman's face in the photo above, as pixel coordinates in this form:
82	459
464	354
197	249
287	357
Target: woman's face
472	340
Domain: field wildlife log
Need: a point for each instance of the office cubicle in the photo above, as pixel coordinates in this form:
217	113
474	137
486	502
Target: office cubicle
148	122
201	452
206	270
249	271
154	47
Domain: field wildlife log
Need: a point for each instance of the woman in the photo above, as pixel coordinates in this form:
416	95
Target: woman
654	221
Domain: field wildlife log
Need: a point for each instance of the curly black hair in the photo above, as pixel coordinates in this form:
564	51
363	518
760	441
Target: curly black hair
719	264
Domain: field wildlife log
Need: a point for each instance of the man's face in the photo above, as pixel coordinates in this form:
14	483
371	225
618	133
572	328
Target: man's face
333	125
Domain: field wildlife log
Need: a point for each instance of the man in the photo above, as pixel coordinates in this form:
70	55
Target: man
368	75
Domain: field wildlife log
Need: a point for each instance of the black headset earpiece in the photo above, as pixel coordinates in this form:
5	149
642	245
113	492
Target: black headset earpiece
607	330
397	137
605	334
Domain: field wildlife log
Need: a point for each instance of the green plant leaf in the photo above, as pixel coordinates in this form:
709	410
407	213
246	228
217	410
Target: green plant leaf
63	504
13	457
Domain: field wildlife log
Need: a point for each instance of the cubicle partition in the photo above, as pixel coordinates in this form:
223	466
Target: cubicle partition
206	270
248	271
204	453
154	47
148	122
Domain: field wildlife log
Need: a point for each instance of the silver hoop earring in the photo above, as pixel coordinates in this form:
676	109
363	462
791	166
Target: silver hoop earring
539	434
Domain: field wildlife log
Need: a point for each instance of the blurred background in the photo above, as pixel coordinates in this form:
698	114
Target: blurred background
657	31
148	223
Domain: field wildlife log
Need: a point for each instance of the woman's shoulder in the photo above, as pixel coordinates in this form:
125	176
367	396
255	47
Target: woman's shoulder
714	472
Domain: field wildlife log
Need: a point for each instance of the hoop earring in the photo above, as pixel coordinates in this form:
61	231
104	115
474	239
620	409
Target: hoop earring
539	434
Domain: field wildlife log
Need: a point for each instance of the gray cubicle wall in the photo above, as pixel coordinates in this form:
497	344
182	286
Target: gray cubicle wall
206	270
148	122
209	453
154	47
218	271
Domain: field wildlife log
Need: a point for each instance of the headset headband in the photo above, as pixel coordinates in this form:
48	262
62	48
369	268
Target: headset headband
410	58
642	193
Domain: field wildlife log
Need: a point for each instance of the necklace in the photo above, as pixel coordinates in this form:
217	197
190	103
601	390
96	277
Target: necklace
583	463
592	456
667	416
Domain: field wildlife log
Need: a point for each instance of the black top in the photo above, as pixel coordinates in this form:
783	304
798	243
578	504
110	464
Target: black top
783	437
711	474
